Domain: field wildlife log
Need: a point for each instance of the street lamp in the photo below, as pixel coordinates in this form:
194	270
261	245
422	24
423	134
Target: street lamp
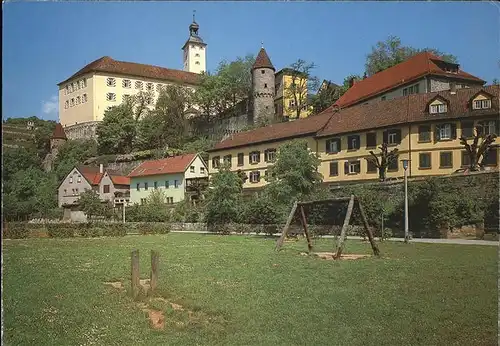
405	166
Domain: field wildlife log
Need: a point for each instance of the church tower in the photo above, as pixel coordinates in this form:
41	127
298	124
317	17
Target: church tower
263	88
195	51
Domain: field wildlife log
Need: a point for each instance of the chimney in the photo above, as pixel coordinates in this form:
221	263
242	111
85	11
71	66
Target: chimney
101	168
453	88
352	81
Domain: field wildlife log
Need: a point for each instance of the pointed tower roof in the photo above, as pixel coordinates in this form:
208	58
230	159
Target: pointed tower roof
58	132
263	61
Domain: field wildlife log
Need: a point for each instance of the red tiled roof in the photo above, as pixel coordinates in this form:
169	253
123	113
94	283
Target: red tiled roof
263	61
91	173
418	66
58	132
169	165
296	128
109	65
120	180
406	109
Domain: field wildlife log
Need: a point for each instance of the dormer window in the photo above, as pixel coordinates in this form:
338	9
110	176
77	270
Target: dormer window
481	104
438	108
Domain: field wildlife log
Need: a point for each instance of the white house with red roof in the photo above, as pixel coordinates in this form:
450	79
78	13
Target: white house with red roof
173	175
109	185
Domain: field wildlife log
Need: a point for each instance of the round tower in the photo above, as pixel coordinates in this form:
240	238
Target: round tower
263	88
57	140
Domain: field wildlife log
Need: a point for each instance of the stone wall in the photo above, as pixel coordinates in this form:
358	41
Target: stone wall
82	131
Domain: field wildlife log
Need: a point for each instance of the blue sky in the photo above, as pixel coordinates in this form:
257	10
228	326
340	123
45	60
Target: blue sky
46	42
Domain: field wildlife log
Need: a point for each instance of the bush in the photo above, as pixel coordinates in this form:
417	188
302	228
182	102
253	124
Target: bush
145	228
115	230
15	230
60	230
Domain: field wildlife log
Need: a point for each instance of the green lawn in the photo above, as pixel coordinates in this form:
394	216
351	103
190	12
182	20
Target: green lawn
243	293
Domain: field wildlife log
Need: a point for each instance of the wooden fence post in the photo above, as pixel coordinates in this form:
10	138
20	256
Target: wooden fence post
135	274
154	269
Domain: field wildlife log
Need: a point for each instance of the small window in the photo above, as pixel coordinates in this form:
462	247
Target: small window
439	108
467	129
75	87
196	62
66	104
371	167
265	85
71	180
391	138
424	133
149	101
111	82
270	155
465	159
143	201
67	89
416	89
84	83
255	177
481	104
393	165
354	167
197	55
145	186
334	169
446	159
158	88
72	102
78	100
167	184
111	97
291	103
127	83
353	142
176	184
170	200
424	160
254	157
333	145
155	185
191	169
138	186
371	140
202	170
84	98
216	162
405	91
126	97
228	160
491	157
149	86
79	179
383	98
262	71
138	85
105	189
488	127
445	131
241	159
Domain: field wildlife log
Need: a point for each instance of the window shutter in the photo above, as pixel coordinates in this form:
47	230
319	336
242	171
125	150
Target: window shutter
386	134
250	157
327	147
453	131
479	128
346	167
358	141
258	176
358	167
258	156
437	136
497	128
338	144
398	136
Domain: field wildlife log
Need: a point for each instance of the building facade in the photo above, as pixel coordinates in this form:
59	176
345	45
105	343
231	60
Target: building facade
425	128
285	103
174	176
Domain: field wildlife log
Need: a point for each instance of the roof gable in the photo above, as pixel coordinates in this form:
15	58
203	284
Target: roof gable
414	68
169	165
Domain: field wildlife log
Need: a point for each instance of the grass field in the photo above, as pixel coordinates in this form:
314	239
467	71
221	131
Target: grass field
240	292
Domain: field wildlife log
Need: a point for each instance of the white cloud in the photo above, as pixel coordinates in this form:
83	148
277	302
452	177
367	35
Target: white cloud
51	106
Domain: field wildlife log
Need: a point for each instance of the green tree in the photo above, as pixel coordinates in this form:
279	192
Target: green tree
73	153
224	197
295	174
46	195
116	133
90	203
391	52
155	208
301	84
326	97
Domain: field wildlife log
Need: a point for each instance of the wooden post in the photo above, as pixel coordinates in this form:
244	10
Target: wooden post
154	270
340	245
303	220
375	249
135	274
279	243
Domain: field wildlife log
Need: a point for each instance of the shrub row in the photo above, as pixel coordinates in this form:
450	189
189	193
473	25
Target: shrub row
20	230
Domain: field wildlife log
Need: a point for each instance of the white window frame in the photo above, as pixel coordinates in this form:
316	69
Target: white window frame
445	131
391	138
71	180
84	83
354	143
67	89
202	170
489	127
352	167
111	82
79	179
191	169
126	83
438	108
334	148
254	176
66	104
110	97
84	98
78	100
270	155
150	87
254	157
72	102
138	84
482	104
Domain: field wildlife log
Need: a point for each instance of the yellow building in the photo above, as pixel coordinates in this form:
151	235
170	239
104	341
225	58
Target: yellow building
285	103
424	127
105	82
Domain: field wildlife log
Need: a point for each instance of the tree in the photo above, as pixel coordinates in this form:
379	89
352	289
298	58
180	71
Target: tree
224	197
295	173
347	83
46	195
476	151
326	97
386	158
90	203
72	153
495	81
116	133
391	52
302	82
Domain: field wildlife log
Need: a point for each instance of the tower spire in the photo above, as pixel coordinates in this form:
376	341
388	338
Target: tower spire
261	44
194	13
